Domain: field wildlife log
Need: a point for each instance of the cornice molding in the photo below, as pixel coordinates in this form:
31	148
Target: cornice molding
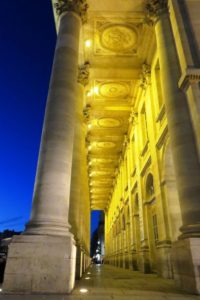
190	76
79	7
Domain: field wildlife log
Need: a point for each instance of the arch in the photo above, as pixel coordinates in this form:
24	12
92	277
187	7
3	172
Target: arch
149	186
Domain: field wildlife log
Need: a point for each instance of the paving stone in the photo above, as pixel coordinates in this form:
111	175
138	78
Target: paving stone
110	283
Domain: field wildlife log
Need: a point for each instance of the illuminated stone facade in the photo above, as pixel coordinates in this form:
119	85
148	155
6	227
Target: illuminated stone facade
121	134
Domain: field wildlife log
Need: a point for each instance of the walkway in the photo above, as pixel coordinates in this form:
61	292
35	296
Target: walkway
110	283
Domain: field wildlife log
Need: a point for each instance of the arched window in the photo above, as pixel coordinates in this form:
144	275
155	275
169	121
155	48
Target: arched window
136	205
123	222
149	186
128	215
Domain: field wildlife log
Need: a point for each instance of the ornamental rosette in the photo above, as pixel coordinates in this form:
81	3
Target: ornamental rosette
78	6
155	8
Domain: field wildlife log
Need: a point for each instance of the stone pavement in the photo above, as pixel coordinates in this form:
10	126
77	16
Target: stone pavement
110	283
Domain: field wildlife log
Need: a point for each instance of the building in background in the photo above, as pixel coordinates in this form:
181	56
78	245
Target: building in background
97	242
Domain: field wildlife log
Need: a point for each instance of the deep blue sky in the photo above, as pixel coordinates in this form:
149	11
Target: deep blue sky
27	41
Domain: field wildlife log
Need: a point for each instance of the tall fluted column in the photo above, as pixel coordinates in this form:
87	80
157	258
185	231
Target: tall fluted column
77	201
52	185
42	260
184	150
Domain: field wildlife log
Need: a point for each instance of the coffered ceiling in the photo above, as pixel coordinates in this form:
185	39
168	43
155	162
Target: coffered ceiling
116	41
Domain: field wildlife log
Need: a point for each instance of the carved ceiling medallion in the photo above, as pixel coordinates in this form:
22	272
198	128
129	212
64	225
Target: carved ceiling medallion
109	123
114	90
102	160
107	145
118	38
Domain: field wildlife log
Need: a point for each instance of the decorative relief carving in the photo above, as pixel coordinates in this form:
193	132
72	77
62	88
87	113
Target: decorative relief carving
126	140
103	160
145	77
109	123
103	173
83	74
133	117
107	145
118	38
155	8
114	89
78	6
86	112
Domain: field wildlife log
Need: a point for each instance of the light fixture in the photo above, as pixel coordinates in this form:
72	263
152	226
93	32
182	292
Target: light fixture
89	126
89	93
96	90
83	291
87	278
1	290
89	147
88	273
88	43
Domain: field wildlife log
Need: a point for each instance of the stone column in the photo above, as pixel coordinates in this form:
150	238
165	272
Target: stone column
79	261
42	260
184	150
77	199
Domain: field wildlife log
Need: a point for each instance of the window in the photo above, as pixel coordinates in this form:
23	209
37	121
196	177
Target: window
123	222
158	85
149	186
143	123
155	227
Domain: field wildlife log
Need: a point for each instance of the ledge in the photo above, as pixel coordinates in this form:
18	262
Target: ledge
190	76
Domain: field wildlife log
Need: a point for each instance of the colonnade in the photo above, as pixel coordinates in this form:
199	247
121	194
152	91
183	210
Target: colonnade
140	194
140	219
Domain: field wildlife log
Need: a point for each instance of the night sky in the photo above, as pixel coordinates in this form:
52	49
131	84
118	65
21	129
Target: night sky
27	41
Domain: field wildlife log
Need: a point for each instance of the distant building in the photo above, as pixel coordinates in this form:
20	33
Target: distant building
97	242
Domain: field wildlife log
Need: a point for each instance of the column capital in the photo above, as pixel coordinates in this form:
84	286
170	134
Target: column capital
83	74
145	77
133	117
156	8
77	6
126	140
86	112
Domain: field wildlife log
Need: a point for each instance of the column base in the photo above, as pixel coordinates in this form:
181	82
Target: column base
40	264
126	260
163	259
186	262
144	265
134	260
